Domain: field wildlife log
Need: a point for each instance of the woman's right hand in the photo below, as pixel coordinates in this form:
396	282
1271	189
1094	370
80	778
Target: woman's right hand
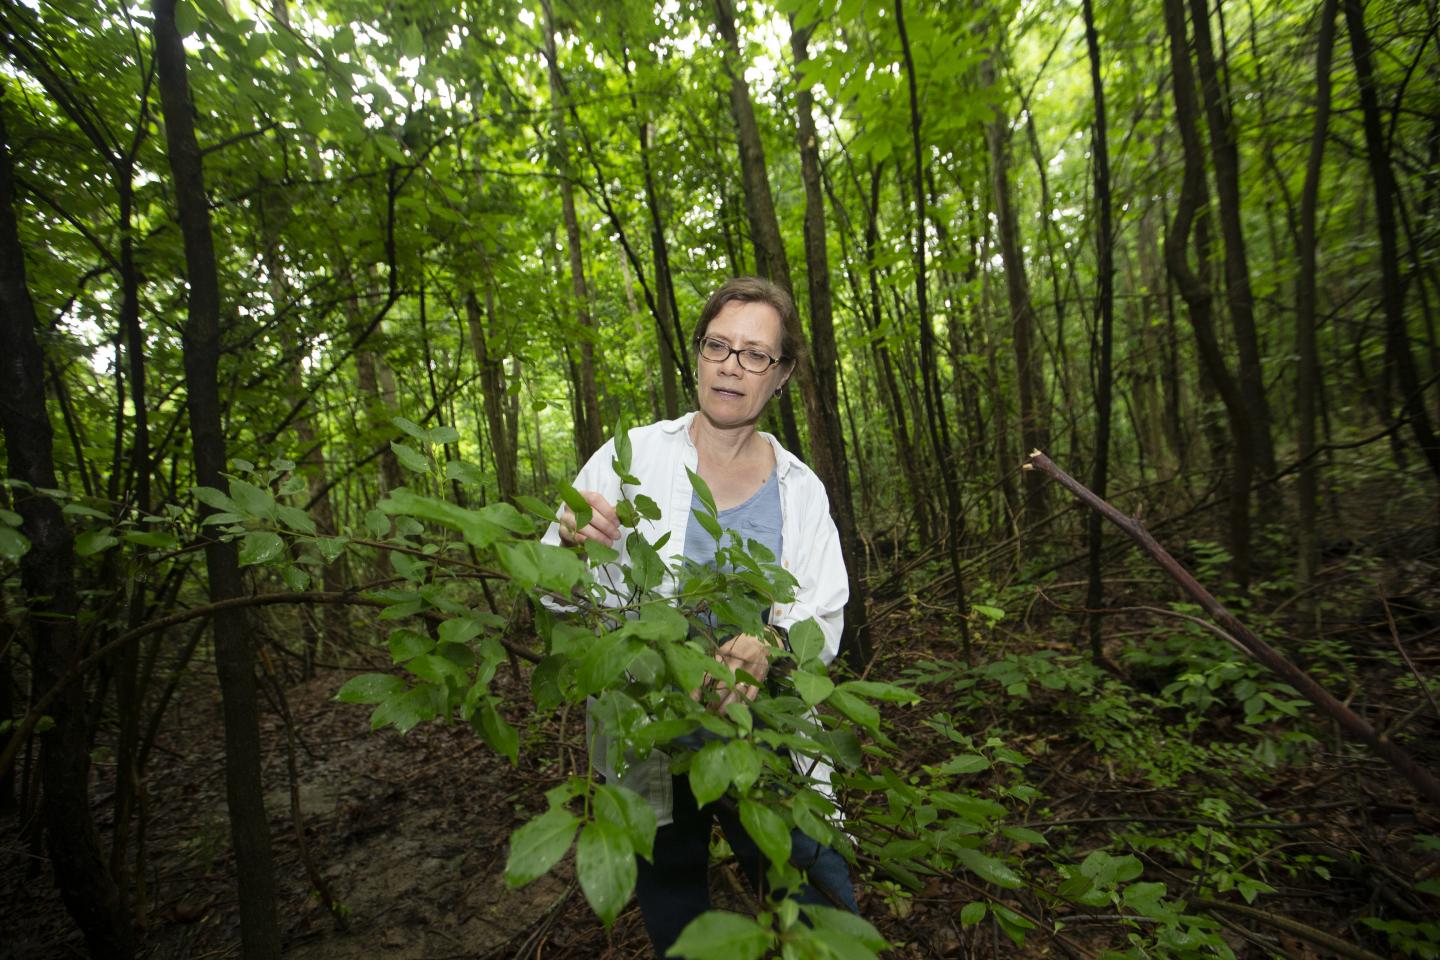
604	524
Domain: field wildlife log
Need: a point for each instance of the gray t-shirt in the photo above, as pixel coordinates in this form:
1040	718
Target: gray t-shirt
756	519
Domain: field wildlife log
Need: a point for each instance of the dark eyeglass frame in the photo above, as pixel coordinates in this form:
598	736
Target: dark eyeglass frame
737	352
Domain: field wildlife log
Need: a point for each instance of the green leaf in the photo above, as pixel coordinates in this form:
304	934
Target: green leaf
502	737
459	471
370	688
442	435
295	578
377	524
74	510
989	869
887	692
806	641
854	709
578	505
605	862
480	528
812	687
623	451
186	21
646	507
155	539
627	808
252	500
534	505
972	913
767	828
1025	835
13	544
94	541
262	546
539	564
410	458
702	489
965	763
744	763
331	547
405	644
722	936
539	845
10	518
411	428
215	499
709	774
295	518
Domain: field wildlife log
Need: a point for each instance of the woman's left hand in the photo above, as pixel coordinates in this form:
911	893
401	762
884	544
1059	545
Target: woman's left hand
744	652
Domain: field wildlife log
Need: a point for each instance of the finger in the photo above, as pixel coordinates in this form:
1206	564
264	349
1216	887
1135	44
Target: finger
605	518
592	532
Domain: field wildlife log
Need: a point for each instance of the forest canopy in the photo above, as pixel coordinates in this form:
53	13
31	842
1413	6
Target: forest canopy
311	311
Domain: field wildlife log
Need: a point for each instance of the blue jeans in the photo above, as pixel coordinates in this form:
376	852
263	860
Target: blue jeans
675	889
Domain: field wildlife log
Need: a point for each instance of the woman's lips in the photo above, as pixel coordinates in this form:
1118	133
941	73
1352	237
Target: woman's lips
728	393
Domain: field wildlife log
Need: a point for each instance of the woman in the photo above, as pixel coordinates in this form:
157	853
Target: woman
747	342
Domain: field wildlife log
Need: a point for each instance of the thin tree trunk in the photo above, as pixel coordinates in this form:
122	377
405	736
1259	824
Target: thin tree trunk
827	442
1105	281
1308	375
234	659
47	576
492	392
1197	296
1238	296
1392	290
591	435
1023	321
933	399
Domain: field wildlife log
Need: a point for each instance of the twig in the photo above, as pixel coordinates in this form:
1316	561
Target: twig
1332	944
1347	720
1395	635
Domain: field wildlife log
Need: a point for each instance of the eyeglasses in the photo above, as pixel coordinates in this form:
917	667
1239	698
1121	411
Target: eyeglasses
718	351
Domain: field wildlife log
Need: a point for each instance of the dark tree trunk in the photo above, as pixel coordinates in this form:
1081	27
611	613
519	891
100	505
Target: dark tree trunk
47	576
934	411
1023	322
1238	296
1105	295
591	434
1195	291
234	659
1392	289
1308	374
493	394
827	442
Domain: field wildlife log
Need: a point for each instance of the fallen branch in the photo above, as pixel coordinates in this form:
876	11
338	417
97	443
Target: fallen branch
1350	722
1319	938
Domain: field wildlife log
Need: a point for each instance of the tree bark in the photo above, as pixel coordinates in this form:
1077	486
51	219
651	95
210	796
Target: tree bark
47	576
1105	293
234	659
1238	296
1197	296
492	392
934	402
1392	290
1308	374
1023	321
591	435
827	441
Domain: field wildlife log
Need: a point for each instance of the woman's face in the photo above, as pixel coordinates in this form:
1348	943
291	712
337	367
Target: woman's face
729	394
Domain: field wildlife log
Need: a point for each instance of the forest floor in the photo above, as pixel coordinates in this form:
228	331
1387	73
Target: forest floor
410	832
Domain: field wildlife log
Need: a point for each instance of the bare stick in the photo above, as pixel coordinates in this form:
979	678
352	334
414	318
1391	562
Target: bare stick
1353	725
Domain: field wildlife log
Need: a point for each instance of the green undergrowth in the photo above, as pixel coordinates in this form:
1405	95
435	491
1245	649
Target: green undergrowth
946	772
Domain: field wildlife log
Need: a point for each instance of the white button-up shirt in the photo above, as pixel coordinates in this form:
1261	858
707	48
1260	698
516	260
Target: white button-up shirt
810	551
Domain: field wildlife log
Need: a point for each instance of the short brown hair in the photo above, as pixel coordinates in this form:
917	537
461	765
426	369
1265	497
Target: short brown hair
758	290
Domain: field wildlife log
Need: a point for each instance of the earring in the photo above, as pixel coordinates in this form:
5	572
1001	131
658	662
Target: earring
778	390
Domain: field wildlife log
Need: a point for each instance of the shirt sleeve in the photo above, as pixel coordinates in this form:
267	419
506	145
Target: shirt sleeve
823	587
